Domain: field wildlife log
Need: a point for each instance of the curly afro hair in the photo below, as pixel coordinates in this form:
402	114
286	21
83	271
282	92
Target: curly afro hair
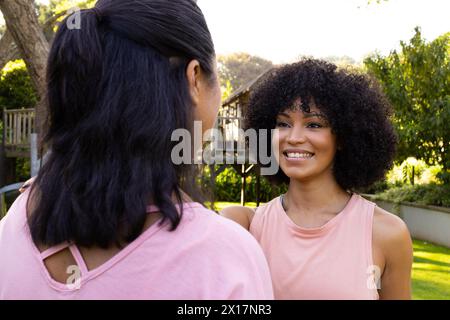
354	105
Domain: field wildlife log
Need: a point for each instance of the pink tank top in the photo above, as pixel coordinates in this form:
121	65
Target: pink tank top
206	257
333	261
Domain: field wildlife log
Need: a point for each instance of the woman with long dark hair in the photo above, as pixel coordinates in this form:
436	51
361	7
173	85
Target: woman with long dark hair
110	216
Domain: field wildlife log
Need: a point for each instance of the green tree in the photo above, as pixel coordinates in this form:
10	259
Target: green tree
16	89
240	68
55	11
417	83
227	89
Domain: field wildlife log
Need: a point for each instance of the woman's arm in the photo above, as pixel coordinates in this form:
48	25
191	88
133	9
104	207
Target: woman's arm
239	214
391	236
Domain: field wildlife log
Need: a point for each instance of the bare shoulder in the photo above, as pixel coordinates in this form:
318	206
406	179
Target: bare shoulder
27	184
239	214
391	239
390	232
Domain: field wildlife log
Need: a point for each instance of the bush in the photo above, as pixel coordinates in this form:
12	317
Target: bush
430	194
377	187
228	186
16	89
16	92
413	171
23	169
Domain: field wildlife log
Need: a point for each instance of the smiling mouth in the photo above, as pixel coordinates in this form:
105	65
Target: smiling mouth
297	156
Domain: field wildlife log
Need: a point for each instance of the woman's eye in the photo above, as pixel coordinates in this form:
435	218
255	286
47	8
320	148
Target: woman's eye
281	124
314	125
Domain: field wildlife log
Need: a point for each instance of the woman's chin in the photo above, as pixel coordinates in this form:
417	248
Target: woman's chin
303	176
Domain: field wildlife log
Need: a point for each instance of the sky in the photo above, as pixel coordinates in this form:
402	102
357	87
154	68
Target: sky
283	30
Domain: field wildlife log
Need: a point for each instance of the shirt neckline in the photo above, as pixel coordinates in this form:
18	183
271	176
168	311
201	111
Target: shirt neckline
90	274
316	231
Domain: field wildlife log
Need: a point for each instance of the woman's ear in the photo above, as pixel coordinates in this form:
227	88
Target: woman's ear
193	73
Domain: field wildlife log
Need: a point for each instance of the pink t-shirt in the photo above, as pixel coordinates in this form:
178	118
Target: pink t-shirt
333	261
206	257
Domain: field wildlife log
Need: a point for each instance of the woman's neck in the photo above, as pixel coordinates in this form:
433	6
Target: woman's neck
315	196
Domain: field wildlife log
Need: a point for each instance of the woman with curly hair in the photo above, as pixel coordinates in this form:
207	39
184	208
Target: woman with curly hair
333	135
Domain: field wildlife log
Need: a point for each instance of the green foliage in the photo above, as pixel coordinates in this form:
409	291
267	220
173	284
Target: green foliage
16	92
219	206
55	7
377	187
428	194
413	171
16	89
23	169
58	9
240	68
417	83
228	186
227	89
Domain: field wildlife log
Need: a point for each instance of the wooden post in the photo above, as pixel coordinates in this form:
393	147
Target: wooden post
212	177
243	175
258	186
34	161
2	165
3	153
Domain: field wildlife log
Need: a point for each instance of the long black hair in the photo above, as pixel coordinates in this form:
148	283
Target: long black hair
117	89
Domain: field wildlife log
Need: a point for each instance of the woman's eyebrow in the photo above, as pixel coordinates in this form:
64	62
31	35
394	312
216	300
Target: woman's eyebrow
284	114
314	114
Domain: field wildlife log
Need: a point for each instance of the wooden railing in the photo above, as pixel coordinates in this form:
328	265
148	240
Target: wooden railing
18	125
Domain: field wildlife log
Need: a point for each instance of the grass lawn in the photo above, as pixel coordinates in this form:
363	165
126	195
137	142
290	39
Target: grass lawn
431	272
431	267
220	205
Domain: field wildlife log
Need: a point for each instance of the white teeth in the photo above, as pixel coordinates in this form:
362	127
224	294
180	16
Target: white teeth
299	155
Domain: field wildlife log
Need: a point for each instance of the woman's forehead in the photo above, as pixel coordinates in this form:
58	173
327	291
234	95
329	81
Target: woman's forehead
298	107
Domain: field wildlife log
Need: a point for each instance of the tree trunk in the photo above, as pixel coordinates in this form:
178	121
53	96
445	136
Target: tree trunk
8	49
22	22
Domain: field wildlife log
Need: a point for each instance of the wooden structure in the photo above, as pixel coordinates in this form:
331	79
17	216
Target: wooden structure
18	126
229	120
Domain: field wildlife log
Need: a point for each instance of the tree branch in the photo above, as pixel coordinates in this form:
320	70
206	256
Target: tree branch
8	48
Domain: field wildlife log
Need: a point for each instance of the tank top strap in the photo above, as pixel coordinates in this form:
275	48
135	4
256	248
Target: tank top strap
256	226
361	213
53	250
368	213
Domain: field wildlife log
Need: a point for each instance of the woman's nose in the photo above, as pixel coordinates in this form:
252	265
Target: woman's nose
296	135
